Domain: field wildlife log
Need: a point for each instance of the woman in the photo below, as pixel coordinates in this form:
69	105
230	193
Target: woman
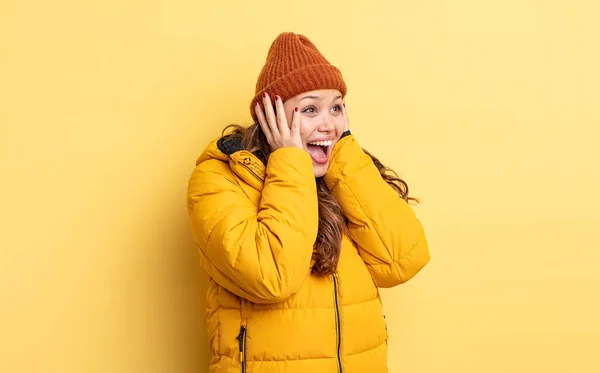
297	227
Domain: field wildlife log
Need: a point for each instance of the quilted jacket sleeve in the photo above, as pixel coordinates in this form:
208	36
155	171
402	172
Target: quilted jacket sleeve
262	253
390	238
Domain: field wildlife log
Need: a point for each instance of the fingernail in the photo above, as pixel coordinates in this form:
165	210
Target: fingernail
344	104
264	94
277	98
296	110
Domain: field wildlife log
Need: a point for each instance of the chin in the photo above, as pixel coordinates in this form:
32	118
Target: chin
320	169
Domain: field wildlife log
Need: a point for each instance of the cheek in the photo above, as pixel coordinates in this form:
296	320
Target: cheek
306	128
340	125
288	116
288	107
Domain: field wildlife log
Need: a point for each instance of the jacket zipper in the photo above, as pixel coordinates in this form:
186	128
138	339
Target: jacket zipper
242	341
253	173
387	335
337	323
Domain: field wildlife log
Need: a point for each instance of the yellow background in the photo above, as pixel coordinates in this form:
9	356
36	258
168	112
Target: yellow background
490	110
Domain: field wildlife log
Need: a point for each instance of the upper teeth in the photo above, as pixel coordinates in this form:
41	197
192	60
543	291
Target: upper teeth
321	143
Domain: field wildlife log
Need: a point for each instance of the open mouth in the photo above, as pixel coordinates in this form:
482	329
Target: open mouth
320	150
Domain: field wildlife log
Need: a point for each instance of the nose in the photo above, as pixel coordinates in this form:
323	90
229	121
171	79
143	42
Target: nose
326	124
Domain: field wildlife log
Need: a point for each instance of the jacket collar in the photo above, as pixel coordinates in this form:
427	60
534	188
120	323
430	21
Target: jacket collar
242	162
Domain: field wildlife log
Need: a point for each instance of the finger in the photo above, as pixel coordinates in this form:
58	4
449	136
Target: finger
270	114
295	127
281	119
262	121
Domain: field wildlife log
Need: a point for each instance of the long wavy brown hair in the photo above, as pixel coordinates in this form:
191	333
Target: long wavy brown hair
332	222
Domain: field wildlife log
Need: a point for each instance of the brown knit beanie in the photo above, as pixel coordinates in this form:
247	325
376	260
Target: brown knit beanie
293	66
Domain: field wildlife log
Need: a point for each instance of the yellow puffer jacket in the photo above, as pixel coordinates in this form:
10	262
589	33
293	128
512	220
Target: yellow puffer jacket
255	227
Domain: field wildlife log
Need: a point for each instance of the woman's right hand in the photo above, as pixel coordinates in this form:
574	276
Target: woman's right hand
275	126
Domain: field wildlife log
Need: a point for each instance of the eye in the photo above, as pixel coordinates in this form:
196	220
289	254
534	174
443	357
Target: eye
337	108
309	109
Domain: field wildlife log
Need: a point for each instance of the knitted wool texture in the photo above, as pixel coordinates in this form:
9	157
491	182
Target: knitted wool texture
293	66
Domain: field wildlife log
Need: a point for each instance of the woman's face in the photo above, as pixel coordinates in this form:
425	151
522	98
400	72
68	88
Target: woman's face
321	123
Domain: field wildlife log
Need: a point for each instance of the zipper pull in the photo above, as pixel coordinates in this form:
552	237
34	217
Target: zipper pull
241	338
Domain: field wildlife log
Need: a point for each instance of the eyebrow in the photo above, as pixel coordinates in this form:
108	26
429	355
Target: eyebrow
318	98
